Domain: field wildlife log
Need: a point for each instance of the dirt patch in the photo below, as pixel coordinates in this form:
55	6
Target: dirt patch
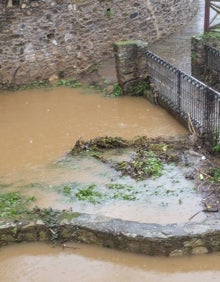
208	184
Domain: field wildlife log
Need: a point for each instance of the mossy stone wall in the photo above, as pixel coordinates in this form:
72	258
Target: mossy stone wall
39	38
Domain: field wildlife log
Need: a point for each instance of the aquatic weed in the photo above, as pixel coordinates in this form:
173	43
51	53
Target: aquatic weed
89	194
144	164
14	205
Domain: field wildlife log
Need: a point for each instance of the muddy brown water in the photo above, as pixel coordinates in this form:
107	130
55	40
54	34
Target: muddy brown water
38	127
40	262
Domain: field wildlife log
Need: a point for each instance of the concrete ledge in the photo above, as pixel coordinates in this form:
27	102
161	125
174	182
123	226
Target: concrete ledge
144	238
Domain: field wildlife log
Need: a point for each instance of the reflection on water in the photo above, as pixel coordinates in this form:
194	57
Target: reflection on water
41	263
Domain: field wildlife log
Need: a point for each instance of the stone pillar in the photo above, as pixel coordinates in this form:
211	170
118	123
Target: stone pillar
198	58
131	67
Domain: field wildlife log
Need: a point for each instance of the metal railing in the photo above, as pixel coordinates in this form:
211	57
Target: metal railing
186	96
212	57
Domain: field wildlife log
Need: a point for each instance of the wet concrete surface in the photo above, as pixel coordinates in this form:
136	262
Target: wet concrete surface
176	49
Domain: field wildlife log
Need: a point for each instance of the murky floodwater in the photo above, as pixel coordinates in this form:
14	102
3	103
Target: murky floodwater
39	126
42	263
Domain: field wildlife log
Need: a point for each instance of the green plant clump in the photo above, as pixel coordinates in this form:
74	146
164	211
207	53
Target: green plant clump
144	164
72	83
110	12
117	90
89	194
140	88
98	144
153	166
35	84
12	205
117	186
216	148
215	174
122	192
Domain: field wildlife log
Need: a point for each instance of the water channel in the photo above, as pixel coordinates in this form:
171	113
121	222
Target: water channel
40	262
40	127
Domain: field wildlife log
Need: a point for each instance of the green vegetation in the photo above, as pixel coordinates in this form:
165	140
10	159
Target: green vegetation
216	148
210	35
117	186
139	88
35	84
72	83
110	12
147	161
193	55
89	194
12	205
117	91
95	194
215	174
51	217
122	192
143	165
98	144
180	202
153	166
67	190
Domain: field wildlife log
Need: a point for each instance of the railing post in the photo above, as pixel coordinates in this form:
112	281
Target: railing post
179	90
208	115
207	16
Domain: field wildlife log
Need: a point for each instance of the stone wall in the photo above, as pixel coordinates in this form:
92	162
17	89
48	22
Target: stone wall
39	38
145	238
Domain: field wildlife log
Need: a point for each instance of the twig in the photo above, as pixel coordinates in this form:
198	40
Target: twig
190	126
194	215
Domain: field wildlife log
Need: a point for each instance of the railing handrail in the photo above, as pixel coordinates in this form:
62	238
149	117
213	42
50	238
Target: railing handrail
183	74
187	96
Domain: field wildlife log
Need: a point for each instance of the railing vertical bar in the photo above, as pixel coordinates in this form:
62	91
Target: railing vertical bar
178	91
186	95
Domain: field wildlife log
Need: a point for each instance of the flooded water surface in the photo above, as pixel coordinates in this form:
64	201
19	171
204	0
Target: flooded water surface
39	126
40	262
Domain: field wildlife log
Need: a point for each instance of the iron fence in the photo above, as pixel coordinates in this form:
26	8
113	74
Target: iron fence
212	57
186	96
